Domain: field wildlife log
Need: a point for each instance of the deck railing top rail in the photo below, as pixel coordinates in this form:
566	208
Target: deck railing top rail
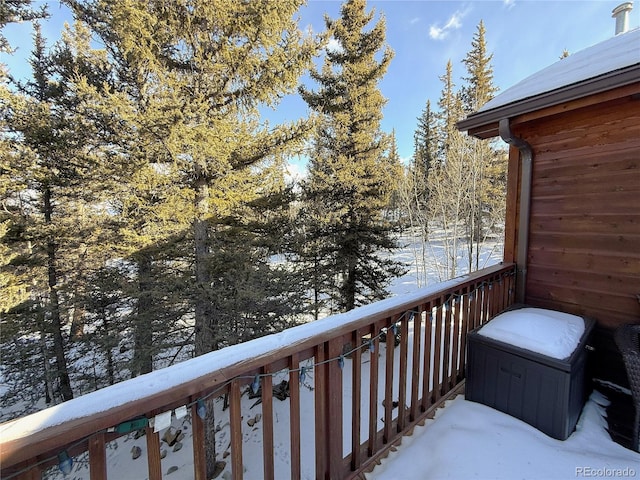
26	441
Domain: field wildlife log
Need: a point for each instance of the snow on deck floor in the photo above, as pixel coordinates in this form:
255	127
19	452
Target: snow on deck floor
467	440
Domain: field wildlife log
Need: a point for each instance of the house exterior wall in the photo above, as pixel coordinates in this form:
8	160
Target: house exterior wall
584	238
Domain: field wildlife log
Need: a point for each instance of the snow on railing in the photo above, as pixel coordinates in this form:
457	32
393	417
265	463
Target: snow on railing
347	394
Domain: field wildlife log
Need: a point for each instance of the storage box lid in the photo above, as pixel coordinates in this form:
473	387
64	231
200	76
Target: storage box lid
548	332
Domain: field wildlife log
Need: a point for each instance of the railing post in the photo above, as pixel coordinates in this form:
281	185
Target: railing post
427	365
465	324
473	307
437	355
389	346
153	454
199	455
334	403
486	295
97	457
447	356
415	363
356	392
320	397
235	422
402	382
493	290
294	418
456	305
267	423
372	445
512	286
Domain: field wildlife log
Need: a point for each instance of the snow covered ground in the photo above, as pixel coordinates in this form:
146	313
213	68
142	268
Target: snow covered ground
427	263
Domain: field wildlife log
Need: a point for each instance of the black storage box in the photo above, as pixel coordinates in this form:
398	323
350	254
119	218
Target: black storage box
543	391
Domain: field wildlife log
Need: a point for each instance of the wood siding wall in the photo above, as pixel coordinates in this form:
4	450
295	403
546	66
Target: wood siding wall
584	239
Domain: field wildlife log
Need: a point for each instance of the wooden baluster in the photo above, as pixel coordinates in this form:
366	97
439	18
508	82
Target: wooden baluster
437	357
491	289
486	313
320	395
512	287
97	457
267	423
235	421
294	415
199	456
356	391
465	324
415	364
455	355
512	279
372	445
475	306
427	366
402	381
388	384
334	394
153	454
494	289
447	356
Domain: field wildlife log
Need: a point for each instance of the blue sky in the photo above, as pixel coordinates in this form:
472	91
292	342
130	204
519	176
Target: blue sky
524	37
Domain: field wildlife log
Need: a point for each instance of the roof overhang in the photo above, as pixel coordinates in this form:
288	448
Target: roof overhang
484	124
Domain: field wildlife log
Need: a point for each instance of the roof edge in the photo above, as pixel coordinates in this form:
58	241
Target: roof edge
476	123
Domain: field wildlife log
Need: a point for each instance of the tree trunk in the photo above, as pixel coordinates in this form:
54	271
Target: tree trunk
54	306
349	285
143	334
107	350
48	390
205	338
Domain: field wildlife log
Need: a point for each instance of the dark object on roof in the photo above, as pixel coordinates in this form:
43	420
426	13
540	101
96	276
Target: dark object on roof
628	340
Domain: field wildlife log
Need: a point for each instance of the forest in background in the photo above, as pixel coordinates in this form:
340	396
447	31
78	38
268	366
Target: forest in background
144	199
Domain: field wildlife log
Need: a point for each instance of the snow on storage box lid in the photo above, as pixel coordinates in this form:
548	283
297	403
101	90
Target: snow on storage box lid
550	333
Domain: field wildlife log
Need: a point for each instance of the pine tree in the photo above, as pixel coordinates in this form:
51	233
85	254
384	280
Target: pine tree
424	160
49	173
314	255
486	194
396	171
349	180
479	87
425	139
194	75
450	112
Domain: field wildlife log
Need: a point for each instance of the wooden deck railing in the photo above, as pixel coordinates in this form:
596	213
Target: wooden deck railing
366	390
